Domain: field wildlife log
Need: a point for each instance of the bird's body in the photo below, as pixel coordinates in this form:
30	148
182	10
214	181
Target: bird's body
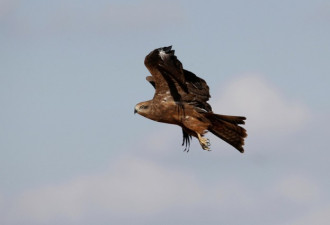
181	98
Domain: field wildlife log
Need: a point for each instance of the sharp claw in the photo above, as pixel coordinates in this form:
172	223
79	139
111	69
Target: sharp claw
205	143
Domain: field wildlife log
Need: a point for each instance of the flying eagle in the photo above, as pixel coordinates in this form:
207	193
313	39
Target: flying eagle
181	98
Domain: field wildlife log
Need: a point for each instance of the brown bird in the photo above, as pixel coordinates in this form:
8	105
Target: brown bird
181	98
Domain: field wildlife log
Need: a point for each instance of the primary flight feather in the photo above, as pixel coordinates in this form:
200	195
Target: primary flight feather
181	98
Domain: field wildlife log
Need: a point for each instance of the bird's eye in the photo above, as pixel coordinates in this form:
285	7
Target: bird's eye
143	107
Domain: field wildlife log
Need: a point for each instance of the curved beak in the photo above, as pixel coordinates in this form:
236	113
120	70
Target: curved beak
135	111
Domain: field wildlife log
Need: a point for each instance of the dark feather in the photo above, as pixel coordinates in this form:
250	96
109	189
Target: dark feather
151	81
227	128
186	140
184	86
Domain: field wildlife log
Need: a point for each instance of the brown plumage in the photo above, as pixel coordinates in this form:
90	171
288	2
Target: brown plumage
181	98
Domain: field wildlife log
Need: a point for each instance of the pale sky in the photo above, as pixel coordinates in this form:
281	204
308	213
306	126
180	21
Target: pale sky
73	152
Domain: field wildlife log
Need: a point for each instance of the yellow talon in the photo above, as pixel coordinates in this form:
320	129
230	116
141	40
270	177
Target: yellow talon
204	142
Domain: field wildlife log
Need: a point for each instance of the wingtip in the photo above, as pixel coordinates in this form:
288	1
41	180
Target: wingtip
167	49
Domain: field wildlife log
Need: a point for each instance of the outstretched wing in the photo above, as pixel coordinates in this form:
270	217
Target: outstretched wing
168	76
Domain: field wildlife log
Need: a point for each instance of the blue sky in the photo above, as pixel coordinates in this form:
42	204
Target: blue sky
72	152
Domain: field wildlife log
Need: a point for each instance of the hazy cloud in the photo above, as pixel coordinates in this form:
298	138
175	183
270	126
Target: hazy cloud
266	108
320	217
131	186
298	189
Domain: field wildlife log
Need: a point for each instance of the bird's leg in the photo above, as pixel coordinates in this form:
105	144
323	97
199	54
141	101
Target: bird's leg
205	143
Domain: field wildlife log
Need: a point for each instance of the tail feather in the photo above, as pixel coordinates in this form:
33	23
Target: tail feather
230	119
227	128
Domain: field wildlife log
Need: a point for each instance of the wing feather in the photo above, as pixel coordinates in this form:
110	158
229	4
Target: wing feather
168	76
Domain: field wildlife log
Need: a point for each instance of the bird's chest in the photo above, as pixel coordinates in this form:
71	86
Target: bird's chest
166	111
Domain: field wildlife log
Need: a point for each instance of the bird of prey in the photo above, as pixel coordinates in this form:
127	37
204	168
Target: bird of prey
181	98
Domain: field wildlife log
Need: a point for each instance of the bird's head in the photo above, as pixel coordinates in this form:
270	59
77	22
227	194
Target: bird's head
142	108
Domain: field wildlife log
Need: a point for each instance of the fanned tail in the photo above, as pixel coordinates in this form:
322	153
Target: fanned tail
227	128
